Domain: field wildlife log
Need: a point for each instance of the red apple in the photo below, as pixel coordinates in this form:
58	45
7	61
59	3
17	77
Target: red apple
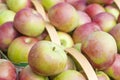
114	70
83	17
47	4
7	70
28	74
6	15
70	75
47	58
112	10
115	32
81	32
94	9
100	48
29	22
8	34
64	17
16	5
105	20
19	49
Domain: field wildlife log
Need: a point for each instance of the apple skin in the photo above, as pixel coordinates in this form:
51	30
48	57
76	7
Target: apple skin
114	70
102	75
77	46
7	70
105	20
70	75
28	74
112	10
16	5
29	22
94	9
47	58
65	39
47	4
99	54
64	17
19	49
81	32
8	34
83	17
115	32
6	15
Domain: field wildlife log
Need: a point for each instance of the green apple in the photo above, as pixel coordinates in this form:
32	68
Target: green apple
6	15
65	39
19	49
50	3
16	5
70	75
3	6
102	75
47	58
77	46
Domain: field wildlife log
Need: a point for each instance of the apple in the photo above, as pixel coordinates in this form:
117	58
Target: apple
7	70
8	34
77	46
6	15
102	75
64	17
19	49
70	75
114	70
115	32
65	39
83	18
100	48
16	5
112	10
81	32
105	20
105	2
47	58
29	22
27	74
47	4
94	9
3	6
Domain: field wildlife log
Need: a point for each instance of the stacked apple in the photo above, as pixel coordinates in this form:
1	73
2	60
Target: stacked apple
90	26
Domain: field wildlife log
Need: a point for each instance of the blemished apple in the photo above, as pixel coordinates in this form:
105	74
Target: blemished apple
83	17
102	75
81	32
47	4
8	34
7	70
16	5
65	39
3	6
114	70
47	58
100	48
112	10
70	75
115	32
64	17
105	20
94	9
19	49
27	74
104	2
29	22
6	15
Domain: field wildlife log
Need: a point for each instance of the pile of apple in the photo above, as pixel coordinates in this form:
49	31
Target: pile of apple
90	26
